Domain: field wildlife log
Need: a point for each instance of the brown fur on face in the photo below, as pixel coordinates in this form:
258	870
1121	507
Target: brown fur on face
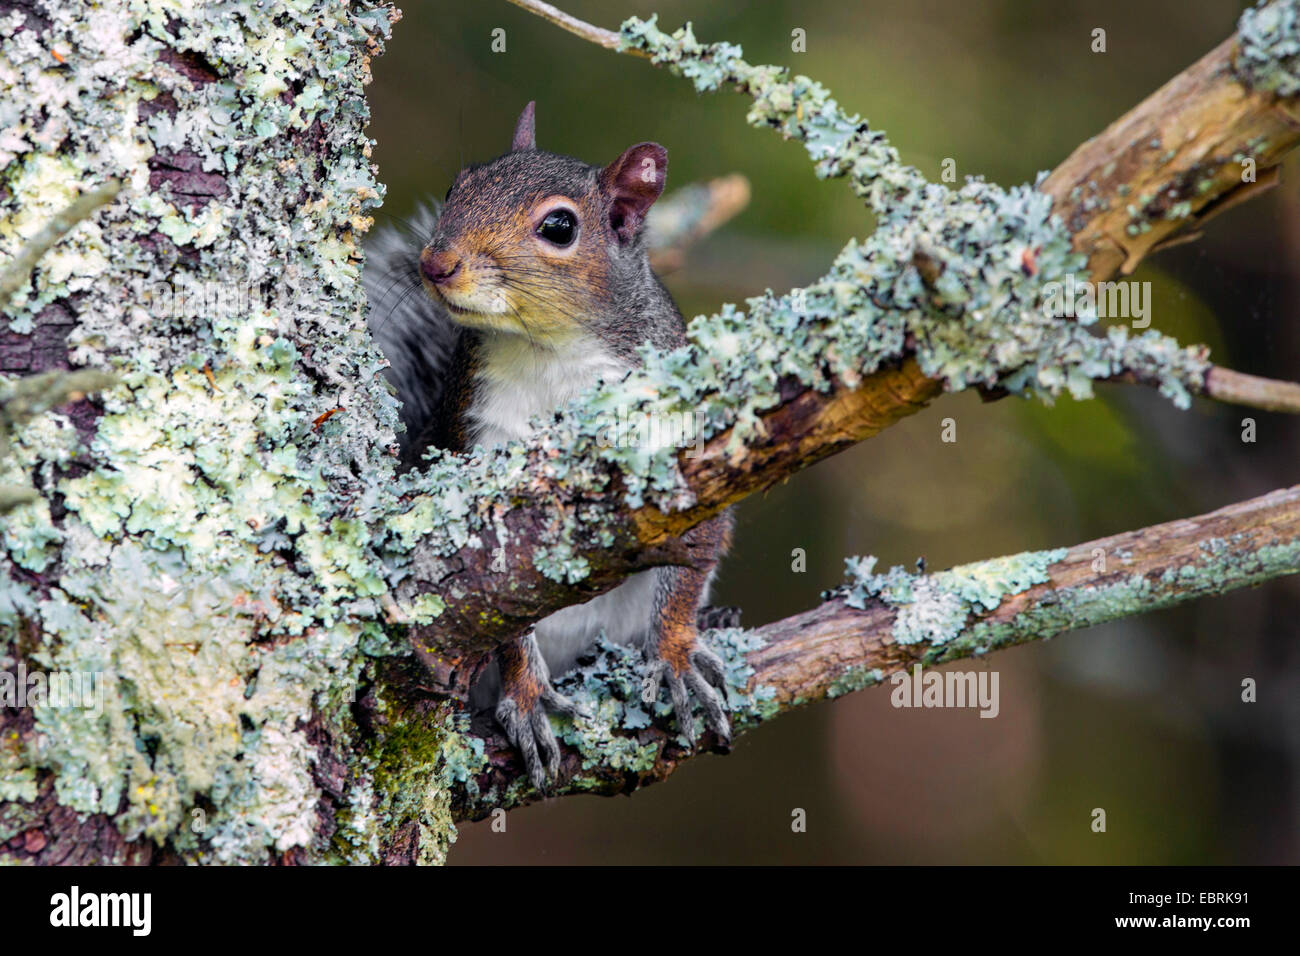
509	278
490	268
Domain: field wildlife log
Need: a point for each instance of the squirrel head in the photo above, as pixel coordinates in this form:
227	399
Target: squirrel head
544	245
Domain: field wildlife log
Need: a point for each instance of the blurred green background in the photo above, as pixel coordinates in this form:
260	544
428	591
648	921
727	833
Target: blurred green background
1143	717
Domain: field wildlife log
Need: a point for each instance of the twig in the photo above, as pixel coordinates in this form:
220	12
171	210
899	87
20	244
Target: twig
606	38
24	399
1238	388
19	269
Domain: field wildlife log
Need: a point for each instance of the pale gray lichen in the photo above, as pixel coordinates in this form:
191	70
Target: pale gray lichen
215	562
608	685
937	608
1268	57
1225	565
855	678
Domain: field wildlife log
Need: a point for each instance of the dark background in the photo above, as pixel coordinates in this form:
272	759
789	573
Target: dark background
1142	717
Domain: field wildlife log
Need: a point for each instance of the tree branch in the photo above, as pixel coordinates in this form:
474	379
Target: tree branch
23	400
1202	143
1238	388
878	625
606	38
928	303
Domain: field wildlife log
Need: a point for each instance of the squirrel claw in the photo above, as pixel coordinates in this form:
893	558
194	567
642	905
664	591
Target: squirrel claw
526	697
705	679
717	616
559	704
529	730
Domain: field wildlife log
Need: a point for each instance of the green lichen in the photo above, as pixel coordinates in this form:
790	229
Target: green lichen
1268	58
854	679
215	562
607	684
412	767
936	609
1222	566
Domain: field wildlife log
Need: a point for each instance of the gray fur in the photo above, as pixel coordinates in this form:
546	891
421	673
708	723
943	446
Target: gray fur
412	331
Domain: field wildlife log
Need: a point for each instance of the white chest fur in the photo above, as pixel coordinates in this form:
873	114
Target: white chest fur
518	380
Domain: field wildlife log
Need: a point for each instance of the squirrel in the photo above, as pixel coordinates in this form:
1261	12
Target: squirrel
531	285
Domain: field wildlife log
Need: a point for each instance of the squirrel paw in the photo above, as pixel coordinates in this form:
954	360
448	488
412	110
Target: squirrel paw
717	616
705	678
523	718
526	697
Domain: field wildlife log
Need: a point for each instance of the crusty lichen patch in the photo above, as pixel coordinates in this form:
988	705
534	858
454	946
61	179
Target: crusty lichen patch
1268	58
607	685
215	561
937	608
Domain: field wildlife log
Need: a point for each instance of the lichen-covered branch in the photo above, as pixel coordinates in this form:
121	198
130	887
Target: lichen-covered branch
876	625
24	399
954	289
1210	138
18	269
601	37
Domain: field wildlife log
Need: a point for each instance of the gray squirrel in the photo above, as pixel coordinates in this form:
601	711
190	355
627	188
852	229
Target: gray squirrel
528	286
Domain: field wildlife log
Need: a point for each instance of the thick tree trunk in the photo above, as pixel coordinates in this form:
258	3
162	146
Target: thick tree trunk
195	553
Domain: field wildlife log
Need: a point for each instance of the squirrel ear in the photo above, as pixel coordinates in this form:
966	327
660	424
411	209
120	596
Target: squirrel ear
633	182
525	129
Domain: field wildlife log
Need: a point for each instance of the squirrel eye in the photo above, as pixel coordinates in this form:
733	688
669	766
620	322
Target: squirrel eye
558	227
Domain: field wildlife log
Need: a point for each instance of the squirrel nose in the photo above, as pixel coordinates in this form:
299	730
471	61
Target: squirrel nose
439	267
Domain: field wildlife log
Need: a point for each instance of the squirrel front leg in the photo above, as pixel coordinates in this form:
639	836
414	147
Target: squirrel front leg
526	697
677	656
671	618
